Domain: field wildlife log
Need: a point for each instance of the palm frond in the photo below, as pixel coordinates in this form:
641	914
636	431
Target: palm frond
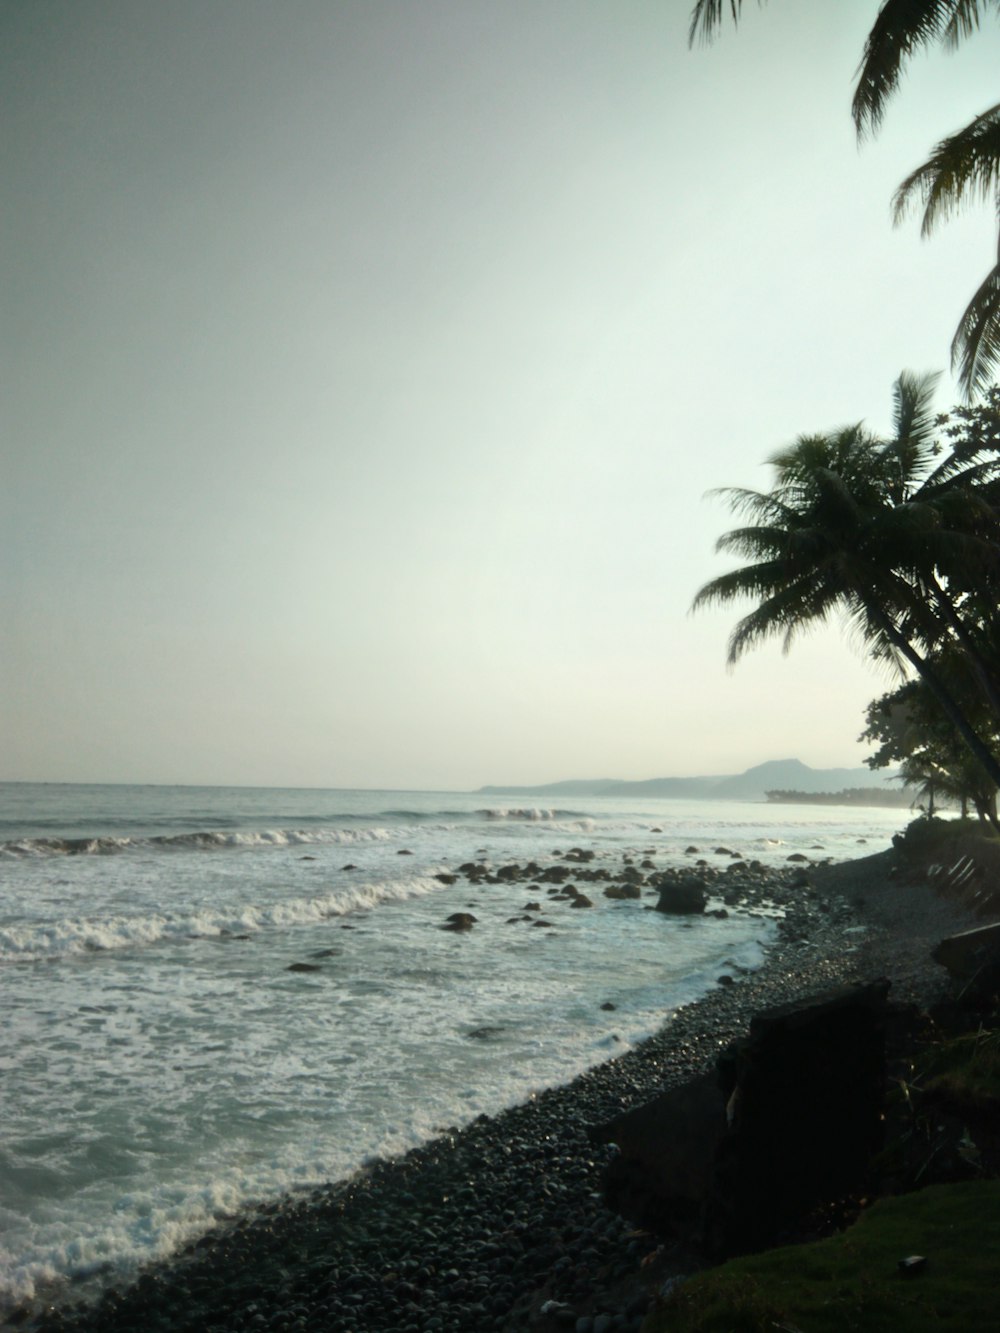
913	444
756	543
760	580
962	472
963	22
707	15
900	28
867	636
791	610
761	505
913	399
975	349
964	166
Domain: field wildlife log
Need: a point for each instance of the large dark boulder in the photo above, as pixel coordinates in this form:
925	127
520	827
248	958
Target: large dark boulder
661	1176
804	1101
791	1120
684	896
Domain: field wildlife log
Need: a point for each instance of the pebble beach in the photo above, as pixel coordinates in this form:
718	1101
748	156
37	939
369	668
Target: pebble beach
500	1225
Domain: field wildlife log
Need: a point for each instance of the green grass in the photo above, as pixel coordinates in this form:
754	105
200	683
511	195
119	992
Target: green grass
852	1281
966	1069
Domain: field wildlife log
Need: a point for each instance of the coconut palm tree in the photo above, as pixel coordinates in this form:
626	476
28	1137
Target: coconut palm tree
854	526
962	167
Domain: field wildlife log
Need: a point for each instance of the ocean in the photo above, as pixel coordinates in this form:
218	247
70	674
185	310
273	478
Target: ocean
215	996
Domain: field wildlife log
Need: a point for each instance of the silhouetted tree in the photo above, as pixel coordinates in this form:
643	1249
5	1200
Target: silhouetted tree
875	530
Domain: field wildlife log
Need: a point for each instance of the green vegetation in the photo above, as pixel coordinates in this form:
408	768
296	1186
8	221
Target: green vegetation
963	167
913	732
848	796
853	1280
965	1071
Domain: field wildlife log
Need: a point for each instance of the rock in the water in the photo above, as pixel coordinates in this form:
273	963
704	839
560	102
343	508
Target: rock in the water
685	896
622	892
460	921
303	967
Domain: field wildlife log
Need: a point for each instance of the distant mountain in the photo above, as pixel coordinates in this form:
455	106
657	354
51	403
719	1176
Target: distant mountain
775	775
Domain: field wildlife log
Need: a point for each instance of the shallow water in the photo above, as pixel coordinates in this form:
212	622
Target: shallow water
164	1067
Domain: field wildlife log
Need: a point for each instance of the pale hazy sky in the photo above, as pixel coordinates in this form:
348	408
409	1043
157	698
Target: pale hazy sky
367	363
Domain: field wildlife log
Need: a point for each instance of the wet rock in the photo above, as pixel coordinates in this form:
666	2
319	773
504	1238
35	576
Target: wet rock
303	967
682	897
460	921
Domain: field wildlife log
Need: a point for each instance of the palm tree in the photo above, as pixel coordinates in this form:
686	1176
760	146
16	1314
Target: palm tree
961	167
854	525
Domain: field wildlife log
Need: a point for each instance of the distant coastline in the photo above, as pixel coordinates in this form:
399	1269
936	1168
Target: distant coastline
786	779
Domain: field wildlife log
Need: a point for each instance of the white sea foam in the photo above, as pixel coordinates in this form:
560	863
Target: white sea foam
56	939
162	1071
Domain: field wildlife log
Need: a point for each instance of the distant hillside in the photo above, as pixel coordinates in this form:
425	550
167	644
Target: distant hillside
776	775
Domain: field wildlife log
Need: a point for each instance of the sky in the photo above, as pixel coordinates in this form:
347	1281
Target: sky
367	364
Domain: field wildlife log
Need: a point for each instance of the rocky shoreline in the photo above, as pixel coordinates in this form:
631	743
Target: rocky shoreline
501	1225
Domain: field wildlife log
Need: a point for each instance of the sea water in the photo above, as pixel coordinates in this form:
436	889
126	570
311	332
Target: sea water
162	1065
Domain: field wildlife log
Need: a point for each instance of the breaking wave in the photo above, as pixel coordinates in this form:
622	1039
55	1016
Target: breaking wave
209	841
58	939
528	813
